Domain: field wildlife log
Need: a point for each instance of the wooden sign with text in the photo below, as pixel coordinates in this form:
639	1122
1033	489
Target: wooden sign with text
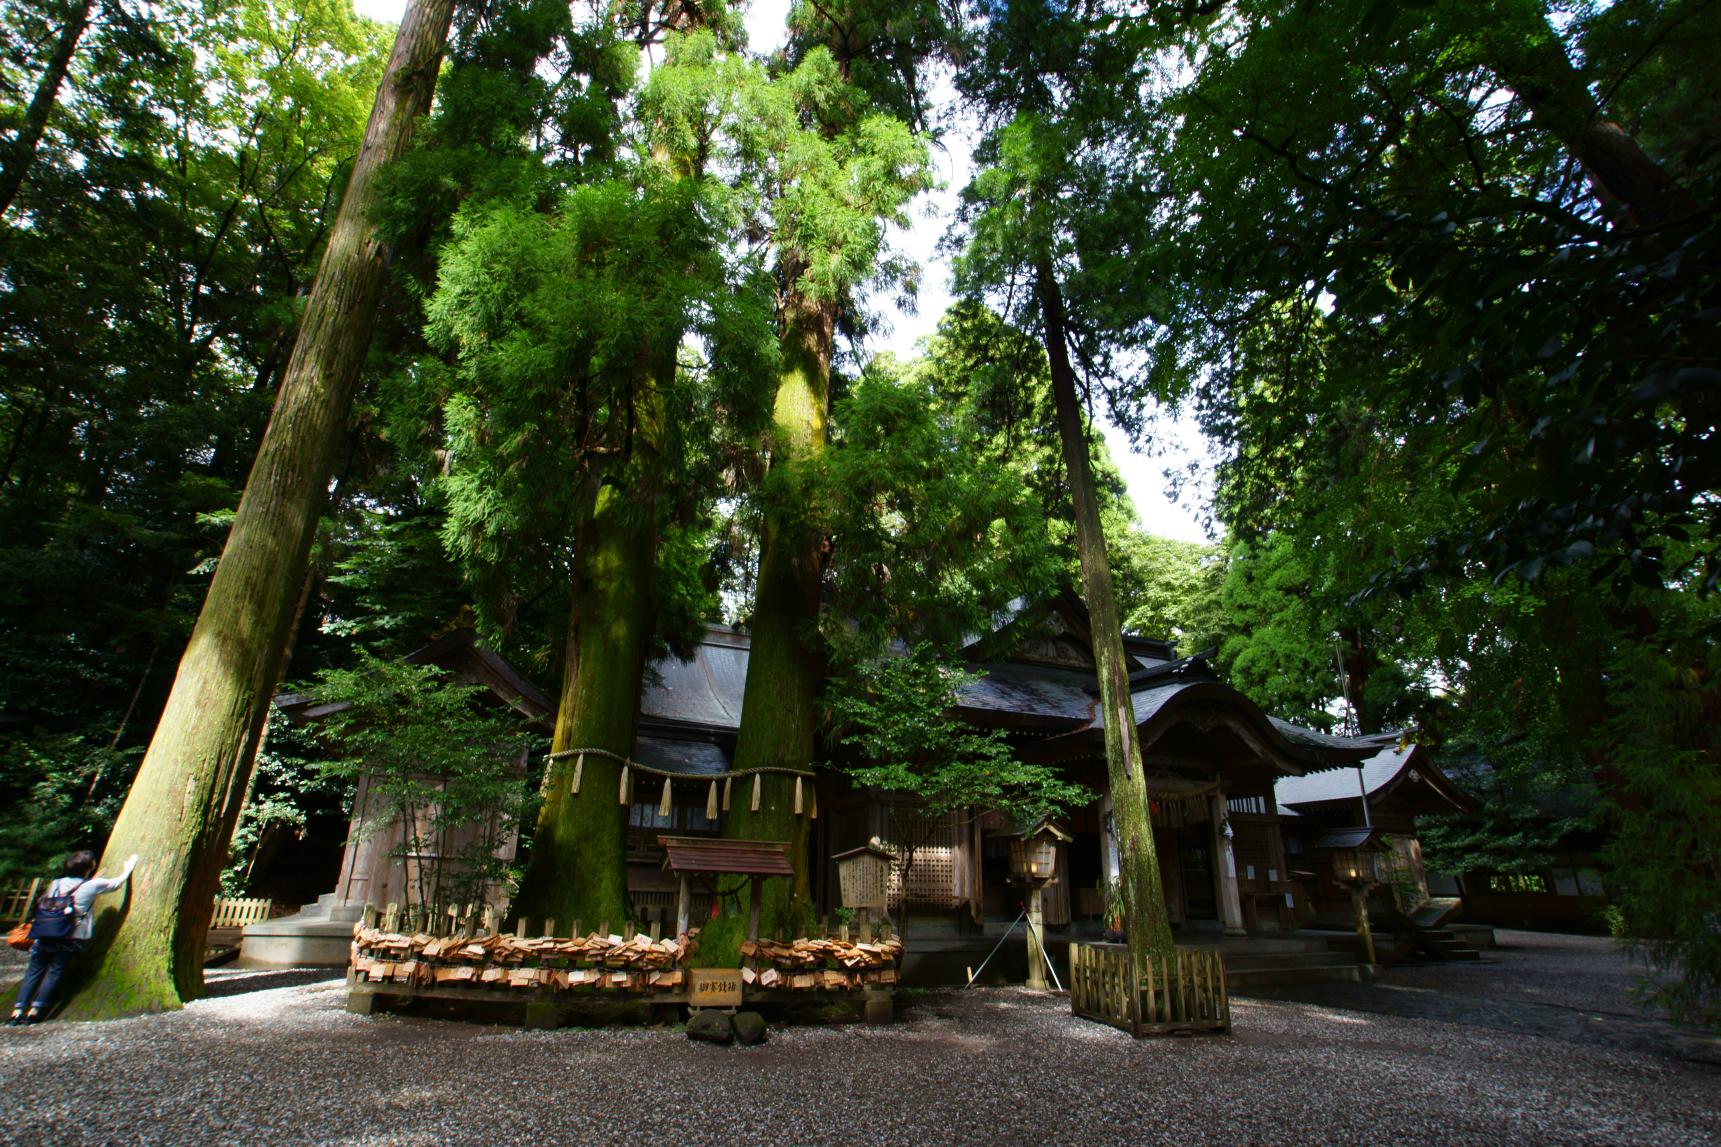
714	987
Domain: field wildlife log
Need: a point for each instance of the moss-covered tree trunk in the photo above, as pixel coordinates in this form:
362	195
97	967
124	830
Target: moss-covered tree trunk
1145	921
578	869
21	156
180	813
786	659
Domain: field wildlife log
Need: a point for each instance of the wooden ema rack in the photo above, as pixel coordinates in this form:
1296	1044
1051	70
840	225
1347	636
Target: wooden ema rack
553	976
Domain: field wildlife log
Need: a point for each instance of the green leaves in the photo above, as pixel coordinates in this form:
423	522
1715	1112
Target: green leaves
897	714
437	757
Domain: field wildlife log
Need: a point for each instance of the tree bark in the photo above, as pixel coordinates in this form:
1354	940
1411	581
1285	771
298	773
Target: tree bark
21	156
1145	921
180	814
1527	54
578	866
786	657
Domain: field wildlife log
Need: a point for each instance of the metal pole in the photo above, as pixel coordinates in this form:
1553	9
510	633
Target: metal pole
994	950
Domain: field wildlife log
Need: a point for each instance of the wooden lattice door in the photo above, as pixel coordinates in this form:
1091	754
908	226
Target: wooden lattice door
935	878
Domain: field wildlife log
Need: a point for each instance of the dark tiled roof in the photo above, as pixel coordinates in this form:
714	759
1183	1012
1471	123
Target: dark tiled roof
1380	772
705	692
1315	739
1032	691
1348	838
682	757
1301	748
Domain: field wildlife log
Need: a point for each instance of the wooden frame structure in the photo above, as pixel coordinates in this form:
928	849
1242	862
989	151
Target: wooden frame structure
1182	996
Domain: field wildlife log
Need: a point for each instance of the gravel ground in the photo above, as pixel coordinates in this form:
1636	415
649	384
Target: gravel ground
274	1058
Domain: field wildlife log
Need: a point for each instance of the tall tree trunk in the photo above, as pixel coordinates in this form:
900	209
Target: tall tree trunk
578	866
182	808
786	657
21	156
1145	920
1523	50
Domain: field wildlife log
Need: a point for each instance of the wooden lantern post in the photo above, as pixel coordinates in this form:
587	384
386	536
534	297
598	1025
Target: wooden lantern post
1033	862
1356	865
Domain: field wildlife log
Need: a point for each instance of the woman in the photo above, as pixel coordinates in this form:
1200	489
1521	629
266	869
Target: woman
50	955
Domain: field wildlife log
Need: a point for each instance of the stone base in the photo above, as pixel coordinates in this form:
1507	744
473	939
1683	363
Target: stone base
319	935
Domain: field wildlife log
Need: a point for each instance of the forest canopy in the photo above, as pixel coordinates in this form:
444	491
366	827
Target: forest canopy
1437	280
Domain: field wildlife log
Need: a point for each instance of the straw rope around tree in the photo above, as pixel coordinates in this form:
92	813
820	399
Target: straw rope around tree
806	796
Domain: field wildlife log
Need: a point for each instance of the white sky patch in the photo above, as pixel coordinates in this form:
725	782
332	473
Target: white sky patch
388	11
1177	441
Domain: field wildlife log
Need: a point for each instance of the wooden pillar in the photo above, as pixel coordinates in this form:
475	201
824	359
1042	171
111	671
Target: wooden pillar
758	894
683	906
1036	951
1225	868
1279	876
1359	908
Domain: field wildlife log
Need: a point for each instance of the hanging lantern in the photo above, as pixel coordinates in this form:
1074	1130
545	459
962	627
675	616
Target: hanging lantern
1354	854
1034	852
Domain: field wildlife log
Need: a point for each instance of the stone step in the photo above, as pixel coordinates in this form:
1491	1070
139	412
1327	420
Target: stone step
1437	911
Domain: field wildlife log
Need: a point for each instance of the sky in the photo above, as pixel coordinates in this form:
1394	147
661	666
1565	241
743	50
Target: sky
1179	441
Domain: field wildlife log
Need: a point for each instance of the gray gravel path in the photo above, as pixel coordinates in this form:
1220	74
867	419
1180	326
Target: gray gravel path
286	1064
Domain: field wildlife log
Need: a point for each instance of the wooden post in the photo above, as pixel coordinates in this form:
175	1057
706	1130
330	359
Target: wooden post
683	906
1359	908
1036	951
758	893
1225	868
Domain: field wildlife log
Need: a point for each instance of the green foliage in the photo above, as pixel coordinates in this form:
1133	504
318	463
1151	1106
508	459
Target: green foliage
288	787
897	714
150	274
1661	733
62	793
1171	589
436	759
935	527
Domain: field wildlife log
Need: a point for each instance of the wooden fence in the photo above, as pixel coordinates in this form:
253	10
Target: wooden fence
1183	994
236	912
18	898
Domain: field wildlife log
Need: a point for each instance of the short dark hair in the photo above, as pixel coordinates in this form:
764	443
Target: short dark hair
81	863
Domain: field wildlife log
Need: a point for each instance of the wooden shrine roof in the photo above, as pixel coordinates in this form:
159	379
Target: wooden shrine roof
713	854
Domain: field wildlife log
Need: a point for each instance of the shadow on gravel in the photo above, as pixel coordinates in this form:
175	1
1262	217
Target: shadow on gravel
1547	1020
238	982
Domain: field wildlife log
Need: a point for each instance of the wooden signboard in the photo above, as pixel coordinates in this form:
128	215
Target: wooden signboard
714	987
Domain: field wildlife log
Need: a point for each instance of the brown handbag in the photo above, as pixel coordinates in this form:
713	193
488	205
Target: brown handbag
19	937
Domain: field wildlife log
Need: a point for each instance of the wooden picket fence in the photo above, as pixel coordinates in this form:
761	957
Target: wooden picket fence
236	912
1181	995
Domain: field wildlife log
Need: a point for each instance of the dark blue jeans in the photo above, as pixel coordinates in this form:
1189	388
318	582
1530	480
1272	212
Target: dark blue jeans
48	960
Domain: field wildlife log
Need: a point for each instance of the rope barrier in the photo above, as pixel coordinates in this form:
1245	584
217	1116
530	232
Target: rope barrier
806	799
628	762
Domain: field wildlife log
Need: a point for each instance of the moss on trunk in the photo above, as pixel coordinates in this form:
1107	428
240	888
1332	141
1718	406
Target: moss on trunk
577	868
786	660
1146	923
180	813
